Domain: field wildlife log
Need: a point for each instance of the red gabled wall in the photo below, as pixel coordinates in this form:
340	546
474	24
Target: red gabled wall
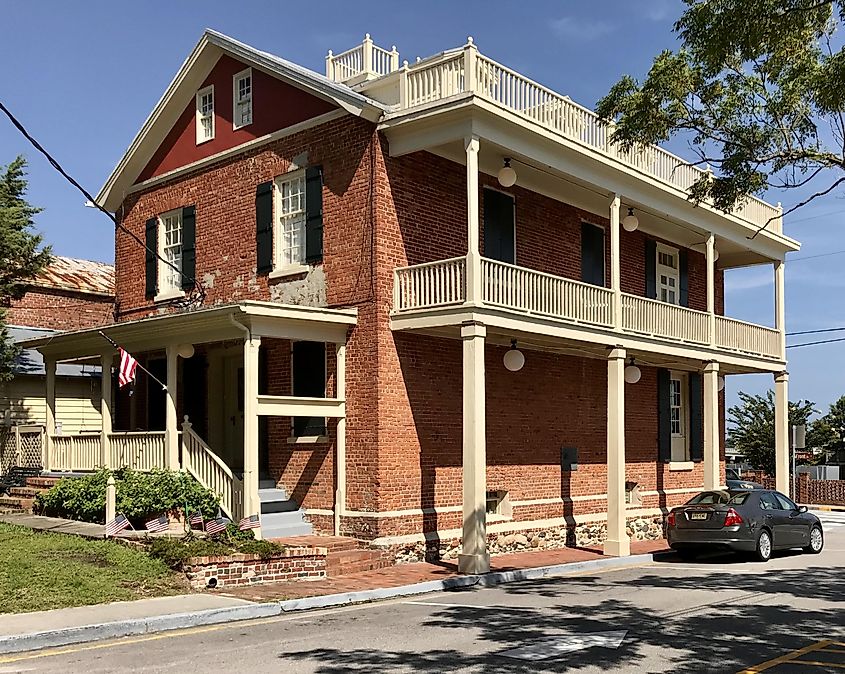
275	105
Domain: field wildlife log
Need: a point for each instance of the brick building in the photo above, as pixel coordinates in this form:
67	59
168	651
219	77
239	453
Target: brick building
405	301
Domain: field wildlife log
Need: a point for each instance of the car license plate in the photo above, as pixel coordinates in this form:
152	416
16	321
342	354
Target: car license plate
698	516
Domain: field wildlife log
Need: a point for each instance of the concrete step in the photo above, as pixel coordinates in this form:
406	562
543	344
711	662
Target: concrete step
282	524
274	494
331	543
282	533
266	483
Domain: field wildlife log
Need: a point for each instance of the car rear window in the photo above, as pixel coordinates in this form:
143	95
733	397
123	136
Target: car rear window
709	498
739	499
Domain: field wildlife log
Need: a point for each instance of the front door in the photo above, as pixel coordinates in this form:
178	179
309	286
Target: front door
233	411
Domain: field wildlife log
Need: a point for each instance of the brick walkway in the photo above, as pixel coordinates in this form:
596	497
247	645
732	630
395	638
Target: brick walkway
407	574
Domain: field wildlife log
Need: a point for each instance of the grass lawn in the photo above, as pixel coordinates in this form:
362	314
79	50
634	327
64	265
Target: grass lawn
40	571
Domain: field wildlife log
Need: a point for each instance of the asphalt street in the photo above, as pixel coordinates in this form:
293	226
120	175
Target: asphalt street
718	614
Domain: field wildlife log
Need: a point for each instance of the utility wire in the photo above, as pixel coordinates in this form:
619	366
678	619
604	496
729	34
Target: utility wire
826	341
197	293
814	332
813	257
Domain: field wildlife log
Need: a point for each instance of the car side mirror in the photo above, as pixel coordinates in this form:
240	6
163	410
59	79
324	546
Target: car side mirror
802	509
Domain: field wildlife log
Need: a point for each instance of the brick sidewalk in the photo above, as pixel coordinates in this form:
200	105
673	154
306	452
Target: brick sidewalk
408	574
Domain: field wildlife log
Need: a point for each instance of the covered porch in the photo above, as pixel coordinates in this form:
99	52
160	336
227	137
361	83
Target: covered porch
209	395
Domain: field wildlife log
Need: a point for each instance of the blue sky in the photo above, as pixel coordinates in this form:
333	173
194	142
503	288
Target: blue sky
84	76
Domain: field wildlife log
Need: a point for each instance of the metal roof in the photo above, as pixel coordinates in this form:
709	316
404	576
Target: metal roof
31	362
70	273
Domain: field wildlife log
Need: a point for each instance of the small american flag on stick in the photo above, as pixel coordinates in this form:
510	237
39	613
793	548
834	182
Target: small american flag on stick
117	525
196	518
216	525
160	523
251	522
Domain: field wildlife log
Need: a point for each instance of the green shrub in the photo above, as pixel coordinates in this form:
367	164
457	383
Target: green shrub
174	551
139	496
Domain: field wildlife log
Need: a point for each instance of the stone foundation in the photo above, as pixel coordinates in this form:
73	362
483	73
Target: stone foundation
582	535
240	569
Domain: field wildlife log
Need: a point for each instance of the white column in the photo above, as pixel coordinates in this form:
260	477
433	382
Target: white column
711	288
50	368
252	505
473	271
617	542
780	304
340	458
782	432
474	557
615	263
105	408
171	422
712	428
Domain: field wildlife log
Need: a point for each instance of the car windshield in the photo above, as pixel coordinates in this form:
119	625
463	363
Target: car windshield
739	499
709	498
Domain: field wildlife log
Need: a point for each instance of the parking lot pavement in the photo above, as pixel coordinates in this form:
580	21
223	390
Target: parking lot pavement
718	614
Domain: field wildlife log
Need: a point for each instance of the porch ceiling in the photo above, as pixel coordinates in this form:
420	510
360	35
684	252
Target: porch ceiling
229	321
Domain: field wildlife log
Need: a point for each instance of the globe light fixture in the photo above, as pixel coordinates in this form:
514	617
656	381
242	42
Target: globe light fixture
630	222
507	176
721	383
185	350
632	372
514	358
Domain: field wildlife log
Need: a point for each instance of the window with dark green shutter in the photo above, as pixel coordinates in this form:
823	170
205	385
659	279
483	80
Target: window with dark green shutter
309	380
151	258
499	226
313	214
264	227
664	416
696	418
189	247
592	254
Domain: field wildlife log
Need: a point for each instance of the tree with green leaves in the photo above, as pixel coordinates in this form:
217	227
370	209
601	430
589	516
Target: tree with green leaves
828	432
21	254
758	89
751	427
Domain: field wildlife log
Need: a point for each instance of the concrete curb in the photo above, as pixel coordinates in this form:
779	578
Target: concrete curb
826	508
139	626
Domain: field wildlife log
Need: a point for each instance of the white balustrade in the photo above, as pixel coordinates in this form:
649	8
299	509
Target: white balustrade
80	452
138	450
748	338
432	284
383	61
650	317
435	81
346	65
506	285
212	472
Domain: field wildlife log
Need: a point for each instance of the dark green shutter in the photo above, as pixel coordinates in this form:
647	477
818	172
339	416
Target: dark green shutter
195	385
664	417
313	214
651	269
151	258
696	418
309	380
683	278
189	247
499	226
264	227
592	254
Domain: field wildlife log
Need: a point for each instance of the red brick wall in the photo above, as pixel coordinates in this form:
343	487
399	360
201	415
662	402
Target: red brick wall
60	310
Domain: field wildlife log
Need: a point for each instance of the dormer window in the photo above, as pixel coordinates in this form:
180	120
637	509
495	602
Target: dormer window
205	114
242	97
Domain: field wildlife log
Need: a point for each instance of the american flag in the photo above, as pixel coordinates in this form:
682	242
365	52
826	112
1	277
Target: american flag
160	523
128	365
250	522
215	526
196	518
117	525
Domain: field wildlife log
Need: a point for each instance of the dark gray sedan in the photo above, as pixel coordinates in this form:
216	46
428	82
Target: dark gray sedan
756	522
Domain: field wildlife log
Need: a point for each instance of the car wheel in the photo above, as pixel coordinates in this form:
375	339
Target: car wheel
764	546
816	541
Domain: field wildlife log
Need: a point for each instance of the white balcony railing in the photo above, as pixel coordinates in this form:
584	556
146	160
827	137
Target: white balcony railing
141	450
443	283
365	59
212	472
467	71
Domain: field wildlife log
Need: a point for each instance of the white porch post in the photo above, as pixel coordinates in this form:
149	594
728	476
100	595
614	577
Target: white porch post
171	423
712	428
617	542
782	432
50	369
252	505
474	557
105	409
473	271
340	459
615	263
711	289
780	304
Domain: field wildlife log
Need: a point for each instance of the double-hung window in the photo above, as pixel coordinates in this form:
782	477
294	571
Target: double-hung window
668	276
205	114
678	415
290	218
170	249
242	97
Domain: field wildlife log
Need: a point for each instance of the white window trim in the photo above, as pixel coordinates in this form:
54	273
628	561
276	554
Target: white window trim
281	268
682	377
162	269
200	138
235	115
667	271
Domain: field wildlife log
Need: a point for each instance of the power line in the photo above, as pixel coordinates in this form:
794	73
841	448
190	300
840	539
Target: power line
826	341
814	332
813	257
197	295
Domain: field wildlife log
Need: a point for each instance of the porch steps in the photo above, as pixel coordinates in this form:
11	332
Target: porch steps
280	516
345	555
21	499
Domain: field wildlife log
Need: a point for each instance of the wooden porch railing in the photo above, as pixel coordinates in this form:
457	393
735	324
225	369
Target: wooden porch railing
78	452
201	462
433	284
142	450
746	337
646	316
